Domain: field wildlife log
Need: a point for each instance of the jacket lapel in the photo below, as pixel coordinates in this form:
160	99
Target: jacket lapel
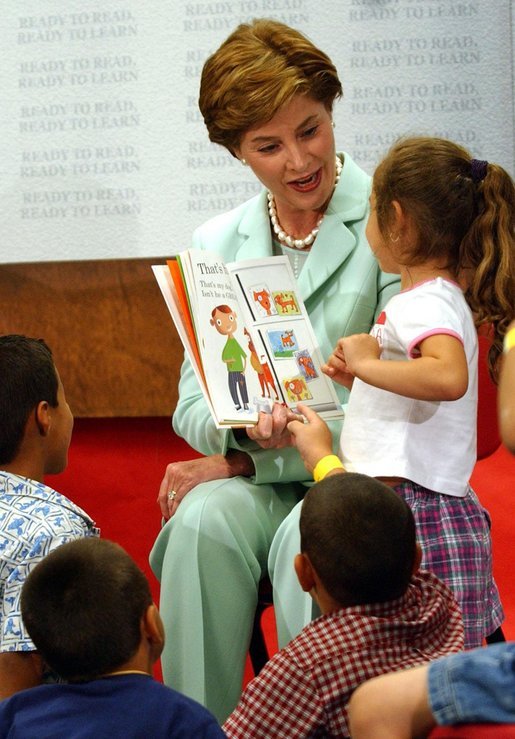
333	244
254	230
335	241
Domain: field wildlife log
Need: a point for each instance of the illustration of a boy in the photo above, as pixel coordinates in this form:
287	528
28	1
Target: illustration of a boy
224	320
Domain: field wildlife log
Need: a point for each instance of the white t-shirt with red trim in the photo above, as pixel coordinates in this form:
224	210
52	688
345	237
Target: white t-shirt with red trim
432	443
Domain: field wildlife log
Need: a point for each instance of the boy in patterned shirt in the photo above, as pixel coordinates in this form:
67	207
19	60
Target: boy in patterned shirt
380	613
35	433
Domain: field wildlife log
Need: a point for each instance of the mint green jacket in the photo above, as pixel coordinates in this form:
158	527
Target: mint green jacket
341	285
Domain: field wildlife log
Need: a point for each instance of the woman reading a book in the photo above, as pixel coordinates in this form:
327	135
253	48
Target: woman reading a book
267	95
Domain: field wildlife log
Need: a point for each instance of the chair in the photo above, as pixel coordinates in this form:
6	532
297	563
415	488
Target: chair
258	651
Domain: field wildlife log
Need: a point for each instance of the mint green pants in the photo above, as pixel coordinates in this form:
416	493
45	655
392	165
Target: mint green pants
209	559
293	608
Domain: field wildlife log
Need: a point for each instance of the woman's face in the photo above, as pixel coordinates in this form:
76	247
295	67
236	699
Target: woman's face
293	155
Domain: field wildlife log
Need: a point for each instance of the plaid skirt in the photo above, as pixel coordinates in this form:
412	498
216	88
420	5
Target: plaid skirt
454	534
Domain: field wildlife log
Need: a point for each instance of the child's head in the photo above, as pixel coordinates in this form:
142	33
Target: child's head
461	212
359	537
30	388
84	605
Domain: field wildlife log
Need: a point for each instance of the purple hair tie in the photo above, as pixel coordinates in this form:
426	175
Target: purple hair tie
478	169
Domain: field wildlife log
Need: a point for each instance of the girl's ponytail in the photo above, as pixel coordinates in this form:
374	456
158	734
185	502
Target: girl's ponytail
487	252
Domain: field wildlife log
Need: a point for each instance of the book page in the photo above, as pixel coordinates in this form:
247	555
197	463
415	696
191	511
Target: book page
182	322
190	302
284	351
221	338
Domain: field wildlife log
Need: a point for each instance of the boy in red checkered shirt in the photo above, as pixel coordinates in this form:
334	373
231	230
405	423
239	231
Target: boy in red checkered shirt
359	560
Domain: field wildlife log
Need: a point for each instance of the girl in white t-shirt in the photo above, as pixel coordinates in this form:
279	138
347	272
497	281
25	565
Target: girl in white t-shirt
445	223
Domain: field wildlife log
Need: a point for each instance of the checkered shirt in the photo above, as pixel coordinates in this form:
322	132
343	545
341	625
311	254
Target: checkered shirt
303	691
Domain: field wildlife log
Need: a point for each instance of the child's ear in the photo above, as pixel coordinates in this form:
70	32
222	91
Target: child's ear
399	216
153	630
418	558
403	224
43	417
153	624
304	571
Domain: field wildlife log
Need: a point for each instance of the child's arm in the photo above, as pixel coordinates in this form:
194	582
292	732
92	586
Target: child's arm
312	438
392	706
440	373
506	394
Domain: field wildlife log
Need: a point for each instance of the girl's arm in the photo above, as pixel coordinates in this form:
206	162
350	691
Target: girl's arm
440	373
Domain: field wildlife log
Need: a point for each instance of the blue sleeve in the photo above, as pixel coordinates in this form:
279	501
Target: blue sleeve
475	686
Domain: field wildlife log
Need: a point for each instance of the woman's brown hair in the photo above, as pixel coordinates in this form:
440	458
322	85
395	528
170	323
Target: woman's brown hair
256	71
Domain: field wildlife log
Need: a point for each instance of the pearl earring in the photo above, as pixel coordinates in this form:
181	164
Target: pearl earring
244	162
333	124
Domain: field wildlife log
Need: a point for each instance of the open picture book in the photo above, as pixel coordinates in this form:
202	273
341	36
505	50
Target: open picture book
247	334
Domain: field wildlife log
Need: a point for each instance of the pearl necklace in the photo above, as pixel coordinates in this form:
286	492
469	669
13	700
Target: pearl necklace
281	233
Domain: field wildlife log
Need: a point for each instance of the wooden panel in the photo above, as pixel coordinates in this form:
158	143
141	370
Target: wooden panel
113	340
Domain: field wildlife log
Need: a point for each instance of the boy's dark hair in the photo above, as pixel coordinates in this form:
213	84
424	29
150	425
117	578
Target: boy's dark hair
82	606
360	537
27	376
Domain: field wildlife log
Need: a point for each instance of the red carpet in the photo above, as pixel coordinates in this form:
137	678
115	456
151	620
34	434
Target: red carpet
116	465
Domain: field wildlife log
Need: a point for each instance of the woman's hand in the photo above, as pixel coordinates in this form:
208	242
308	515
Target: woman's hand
181	477
271	430
336	367
312	438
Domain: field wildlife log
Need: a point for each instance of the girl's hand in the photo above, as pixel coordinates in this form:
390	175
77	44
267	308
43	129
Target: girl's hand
312	438
359	349
271	431
336	367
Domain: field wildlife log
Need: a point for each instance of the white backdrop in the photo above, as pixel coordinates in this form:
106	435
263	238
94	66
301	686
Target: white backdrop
104	153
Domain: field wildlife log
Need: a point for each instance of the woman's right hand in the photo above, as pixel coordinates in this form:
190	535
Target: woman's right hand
312	437
181	477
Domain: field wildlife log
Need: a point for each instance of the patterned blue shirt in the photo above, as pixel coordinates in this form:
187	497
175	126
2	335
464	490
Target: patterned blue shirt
34	520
